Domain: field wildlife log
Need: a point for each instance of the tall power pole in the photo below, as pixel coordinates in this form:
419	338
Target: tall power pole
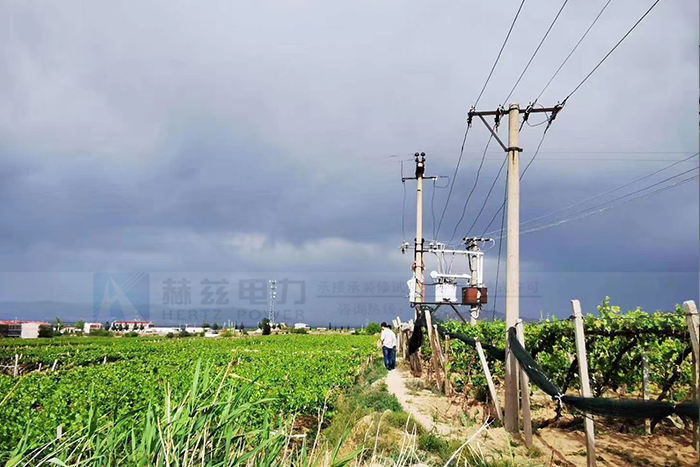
273	300
420	171
418	294
513	236
512	263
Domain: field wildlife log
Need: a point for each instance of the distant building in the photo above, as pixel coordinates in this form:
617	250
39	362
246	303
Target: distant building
132	325
91	327
322	329
161	331
30	329
301	326
22	329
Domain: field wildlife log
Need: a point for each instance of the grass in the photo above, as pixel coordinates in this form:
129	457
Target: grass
211	425
215	424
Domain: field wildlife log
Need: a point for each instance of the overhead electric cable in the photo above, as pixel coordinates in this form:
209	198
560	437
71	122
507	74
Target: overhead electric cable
483	205
595	20
521	177
452	182
481	93
612	50
500	246
535	52
609	207
498	57
403	212
612	203
471	192
609	191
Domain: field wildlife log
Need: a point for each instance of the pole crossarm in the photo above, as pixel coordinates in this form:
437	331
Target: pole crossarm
503	111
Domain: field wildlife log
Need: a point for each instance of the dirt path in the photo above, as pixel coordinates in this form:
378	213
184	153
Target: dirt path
553	446
421	404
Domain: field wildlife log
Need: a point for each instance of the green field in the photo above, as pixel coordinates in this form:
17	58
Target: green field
119	377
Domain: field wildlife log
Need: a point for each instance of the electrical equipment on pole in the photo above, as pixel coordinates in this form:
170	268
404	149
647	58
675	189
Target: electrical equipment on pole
456	268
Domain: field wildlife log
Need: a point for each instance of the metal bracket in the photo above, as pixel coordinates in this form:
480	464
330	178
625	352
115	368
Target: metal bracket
495	135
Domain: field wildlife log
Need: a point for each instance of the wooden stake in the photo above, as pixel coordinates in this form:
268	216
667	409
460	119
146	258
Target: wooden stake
691	313
489	380
524	390
53	367
448	382
645	388
440	357
15	371
585	382
435	350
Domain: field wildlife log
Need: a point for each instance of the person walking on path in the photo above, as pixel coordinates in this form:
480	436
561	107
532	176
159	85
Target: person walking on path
388	347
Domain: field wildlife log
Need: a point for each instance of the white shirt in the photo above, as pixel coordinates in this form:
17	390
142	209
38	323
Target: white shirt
388	338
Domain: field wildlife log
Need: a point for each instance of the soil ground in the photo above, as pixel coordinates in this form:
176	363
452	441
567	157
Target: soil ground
561	443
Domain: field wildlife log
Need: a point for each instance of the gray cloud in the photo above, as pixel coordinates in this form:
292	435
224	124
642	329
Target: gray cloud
164	136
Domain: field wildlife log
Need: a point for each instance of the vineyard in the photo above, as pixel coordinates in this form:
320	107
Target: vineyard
299	374
615	342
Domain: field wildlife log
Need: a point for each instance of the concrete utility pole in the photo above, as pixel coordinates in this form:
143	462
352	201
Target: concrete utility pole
273	300
512	262
420	171
513	237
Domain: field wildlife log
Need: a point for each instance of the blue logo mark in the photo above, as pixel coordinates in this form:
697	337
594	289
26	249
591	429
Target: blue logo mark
121	296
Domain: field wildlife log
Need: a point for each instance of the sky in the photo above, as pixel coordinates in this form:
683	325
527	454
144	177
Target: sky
246	141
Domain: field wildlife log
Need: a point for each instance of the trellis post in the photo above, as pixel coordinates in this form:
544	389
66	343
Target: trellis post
489	380
645	388
691	314
585	382
448	382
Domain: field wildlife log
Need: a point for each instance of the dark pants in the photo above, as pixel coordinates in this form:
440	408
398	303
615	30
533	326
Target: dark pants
389	357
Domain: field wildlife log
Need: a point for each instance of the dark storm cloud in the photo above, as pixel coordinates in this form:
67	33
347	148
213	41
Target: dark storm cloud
164	136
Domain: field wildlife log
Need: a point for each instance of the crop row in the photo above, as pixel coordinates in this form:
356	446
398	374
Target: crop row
300	373
615	344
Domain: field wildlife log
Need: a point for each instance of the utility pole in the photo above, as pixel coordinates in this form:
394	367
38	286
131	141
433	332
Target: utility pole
417	294
273	299
512	263
420	171
513	236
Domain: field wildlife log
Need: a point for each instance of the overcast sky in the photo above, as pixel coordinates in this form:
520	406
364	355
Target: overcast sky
254	138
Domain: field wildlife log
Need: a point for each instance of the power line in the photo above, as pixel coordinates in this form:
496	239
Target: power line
607	208
521	177
432	208
609	191
500	246
573	50
503	164
535	52
612	50
476	181
498	57
537	151
403	212
610	203
452	182
488	78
